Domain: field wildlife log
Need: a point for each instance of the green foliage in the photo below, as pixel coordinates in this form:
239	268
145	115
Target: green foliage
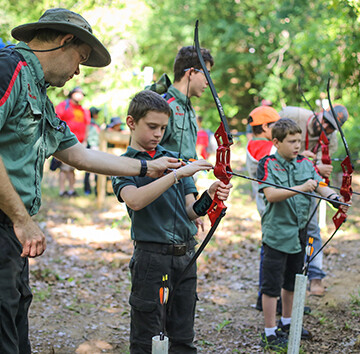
257	46
221	325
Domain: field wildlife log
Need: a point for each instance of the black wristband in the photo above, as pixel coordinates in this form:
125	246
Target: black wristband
143	170
334	203
202	205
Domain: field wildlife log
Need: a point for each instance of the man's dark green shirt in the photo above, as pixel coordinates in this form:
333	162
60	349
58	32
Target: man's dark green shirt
30	131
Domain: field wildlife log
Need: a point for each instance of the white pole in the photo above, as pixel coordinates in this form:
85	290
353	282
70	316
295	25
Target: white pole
160	346
322	214
297	314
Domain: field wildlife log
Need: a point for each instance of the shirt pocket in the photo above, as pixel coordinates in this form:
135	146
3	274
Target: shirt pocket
54	131
302	178
180	121
303	202
29	125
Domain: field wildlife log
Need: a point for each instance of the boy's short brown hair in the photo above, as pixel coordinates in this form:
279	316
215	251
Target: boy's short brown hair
284	127
147	101
187	58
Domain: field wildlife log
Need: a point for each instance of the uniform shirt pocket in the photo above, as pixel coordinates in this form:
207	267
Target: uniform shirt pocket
29	125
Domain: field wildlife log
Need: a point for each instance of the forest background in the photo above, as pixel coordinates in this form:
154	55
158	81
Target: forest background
261	50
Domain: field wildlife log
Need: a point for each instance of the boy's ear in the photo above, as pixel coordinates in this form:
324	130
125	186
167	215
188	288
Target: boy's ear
130	121
275	142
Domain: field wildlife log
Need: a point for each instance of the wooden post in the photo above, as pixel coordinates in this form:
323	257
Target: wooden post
120	140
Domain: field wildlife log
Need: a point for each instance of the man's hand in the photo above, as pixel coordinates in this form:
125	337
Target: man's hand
156	168
309	154
325	170
31	237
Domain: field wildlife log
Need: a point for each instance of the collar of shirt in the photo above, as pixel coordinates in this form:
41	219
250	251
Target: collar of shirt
179	96
33	63
286	164
131	152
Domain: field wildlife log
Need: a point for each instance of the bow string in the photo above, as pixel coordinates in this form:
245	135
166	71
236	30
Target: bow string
347	167
346	189
222	168
223	136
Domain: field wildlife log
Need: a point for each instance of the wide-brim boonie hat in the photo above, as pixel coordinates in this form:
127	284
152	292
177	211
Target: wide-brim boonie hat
341	115
68	22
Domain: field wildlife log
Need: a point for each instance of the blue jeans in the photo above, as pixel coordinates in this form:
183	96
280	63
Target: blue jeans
315	267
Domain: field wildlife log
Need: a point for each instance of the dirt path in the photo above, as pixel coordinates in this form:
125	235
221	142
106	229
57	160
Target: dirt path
81	284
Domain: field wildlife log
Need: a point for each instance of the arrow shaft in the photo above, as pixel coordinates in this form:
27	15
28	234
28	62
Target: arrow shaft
287	188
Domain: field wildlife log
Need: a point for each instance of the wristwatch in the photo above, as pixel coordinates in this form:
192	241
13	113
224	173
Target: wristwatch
143	170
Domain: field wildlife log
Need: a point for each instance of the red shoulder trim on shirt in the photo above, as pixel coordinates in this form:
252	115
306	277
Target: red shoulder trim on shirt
171	100
12	81
301	158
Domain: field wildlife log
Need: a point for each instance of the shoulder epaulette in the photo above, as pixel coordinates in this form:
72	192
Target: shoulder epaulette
11	62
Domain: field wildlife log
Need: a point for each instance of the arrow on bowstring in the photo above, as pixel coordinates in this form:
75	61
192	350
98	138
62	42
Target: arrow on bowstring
323	184
288	188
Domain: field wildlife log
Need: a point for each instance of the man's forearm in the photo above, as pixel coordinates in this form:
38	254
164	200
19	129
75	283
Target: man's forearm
10	201
98	161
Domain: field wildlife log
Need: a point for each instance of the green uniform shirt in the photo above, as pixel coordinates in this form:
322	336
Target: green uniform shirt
165	219
181	132
282	221
30	131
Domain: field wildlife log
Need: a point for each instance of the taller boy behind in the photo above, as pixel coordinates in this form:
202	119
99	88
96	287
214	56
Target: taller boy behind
283	226
161	212
189	81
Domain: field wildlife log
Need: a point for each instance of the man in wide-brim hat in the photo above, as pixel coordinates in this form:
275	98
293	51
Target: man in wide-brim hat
49	53
66	21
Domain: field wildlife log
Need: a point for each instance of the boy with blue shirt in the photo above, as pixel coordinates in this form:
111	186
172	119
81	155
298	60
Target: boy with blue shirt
161	212
283	226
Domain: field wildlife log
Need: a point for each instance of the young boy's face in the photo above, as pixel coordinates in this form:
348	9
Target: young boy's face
147	133
288	148
198	82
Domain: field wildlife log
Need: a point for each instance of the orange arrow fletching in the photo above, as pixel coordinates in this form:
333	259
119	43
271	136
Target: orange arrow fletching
161	293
